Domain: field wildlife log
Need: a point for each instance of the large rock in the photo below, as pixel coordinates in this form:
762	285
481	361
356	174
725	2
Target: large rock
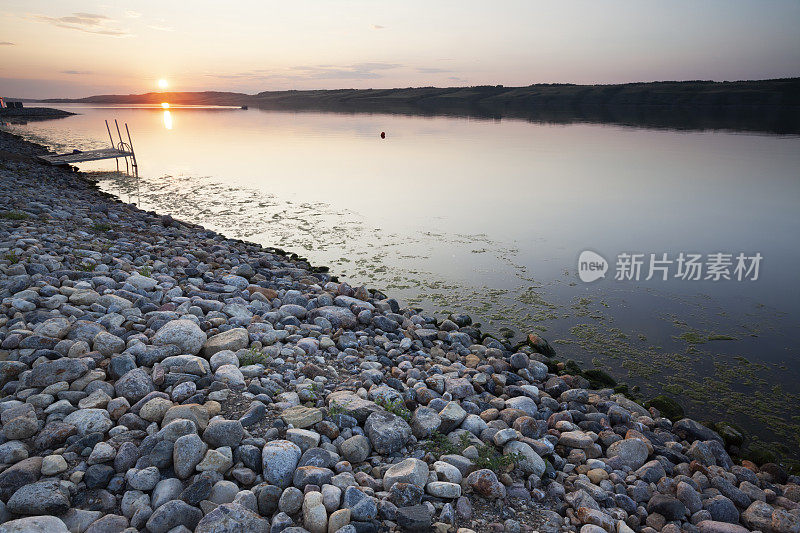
356	449
187	453
758	516
172	514
315	516
280	458
301	417
485	483
632	452
50	372
134	385
414	518
24	472
692	430
424	422
41	498
339	317
223	433
190	411
34	524
387	432
529	461
451	416
184	334
230	517
233	339
667	506
409	470
90	421
352	404
710	526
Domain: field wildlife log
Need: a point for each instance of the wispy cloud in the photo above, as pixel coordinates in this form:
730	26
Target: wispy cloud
133	14
377	27
432	70
358	71
6	43
86	22
77	72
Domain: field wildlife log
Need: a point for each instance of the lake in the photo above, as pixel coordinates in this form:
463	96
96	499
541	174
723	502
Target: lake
489	217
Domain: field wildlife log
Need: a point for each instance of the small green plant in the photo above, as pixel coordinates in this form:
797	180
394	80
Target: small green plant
146	271
14	215
12	258
86	267
490	458
335	409
253	357
395	406
438	444
101	227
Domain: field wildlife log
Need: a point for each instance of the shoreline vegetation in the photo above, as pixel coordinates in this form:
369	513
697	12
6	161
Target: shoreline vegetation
771	106
213	380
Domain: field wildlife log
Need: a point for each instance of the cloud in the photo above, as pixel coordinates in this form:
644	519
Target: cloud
133	14
358	71
432	70
77	72
86	22
377	27
6	43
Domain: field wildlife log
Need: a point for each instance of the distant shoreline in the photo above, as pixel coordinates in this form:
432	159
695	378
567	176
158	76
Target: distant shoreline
769	106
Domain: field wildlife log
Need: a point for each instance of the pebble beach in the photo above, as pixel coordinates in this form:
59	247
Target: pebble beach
160	377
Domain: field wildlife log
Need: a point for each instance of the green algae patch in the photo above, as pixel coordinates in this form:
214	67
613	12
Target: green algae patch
666	406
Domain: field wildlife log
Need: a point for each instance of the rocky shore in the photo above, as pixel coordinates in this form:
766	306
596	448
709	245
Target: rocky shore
33	113
159	377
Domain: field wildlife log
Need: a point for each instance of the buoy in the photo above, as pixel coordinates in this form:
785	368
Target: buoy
383	135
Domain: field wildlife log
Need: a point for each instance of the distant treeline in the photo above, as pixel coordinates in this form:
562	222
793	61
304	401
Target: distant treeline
761	105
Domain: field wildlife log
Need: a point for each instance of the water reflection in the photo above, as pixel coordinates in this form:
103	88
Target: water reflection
167	119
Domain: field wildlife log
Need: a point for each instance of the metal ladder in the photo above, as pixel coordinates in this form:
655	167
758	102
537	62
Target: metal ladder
125	148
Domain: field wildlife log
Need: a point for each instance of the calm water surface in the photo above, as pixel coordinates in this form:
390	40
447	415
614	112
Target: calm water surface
489	218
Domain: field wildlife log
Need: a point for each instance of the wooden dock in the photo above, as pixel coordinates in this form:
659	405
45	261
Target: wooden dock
83	156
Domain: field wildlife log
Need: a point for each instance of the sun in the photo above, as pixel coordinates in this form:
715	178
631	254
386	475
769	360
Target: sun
162	83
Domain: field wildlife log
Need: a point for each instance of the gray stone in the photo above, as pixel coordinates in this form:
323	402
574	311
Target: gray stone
632	452
413	471
173	514
280	458
232	517
90	421
291	500
40	498
424	422
223	433
356	449
34	524
233	339
134	385
184	334
387	432
530	463
50	372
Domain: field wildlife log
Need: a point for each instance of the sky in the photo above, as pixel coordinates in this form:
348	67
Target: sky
73	48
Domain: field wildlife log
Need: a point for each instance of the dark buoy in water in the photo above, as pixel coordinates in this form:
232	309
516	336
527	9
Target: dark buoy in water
383	135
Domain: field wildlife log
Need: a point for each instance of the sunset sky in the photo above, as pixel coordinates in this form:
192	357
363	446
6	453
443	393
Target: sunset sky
80	48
